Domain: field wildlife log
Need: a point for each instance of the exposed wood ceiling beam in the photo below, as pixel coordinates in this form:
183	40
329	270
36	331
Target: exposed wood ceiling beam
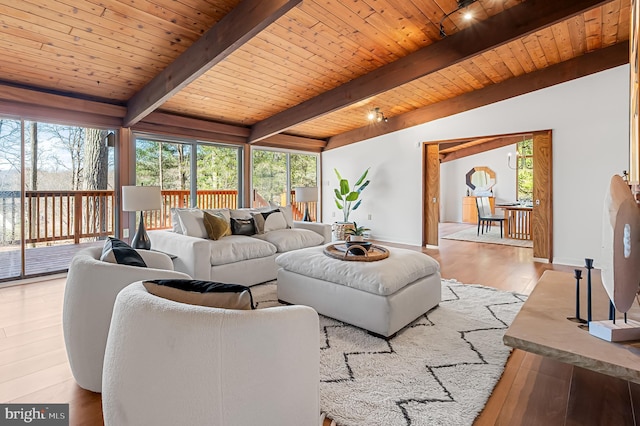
515	22
478	146
230	33
581	66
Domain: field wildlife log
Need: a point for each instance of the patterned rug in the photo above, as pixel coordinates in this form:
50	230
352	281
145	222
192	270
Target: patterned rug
440	370
490	237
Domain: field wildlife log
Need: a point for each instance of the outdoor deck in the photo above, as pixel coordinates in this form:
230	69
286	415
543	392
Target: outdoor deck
39	260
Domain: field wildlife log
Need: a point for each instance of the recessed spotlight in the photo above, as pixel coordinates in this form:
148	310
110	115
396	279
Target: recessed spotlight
468	16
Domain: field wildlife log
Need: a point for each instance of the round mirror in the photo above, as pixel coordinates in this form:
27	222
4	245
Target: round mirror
481	179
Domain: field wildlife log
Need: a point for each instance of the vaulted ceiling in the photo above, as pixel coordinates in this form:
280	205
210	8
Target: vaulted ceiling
308	69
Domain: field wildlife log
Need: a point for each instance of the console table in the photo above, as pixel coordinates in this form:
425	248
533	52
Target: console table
541	327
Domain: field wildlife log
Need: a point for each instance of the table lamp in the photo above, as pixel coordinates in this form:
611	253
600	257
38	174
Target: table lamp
306	194
141	199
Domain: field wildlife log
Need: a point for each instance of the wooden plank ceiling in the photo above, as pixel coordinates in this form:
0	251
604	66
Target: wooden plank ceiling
109	50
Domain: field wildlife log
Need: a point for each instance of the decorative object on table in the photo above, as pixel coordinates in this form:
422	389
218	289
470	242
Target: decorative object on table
356	233
141	199
345	252
578	277
589	266
358	247
306	195
620	261
347	199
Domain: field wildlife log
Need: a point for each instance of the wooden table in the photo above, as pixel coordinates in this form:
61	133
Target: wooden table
541	327
517	221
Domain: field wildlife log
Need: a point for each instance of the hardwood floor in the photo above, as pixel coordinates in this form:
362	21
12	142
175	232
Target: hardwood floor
532	391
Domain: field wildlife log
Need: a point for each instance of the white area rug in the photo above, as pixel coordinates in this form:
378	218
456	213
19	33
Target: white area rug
440	370
490	237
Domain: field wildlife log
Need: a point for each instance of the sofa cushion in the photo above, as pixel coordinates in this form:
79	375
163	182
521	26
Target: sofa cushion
287	211
216	225
190	221
203	293
235	248
292	239
117	251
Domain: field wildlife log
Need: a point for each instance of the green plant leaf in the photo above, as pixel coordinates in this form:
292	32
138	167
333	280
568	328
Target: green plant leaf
338	204
364	175
337	174
364	185
352	196
338	194
344	187
357	205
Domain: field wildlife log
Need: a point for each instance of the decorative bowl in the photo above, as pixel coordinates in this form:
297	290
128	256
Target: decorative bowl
364	244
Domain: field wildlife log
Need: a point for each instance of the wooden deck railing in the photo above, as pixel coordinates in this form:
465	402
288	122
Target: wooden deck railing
74	215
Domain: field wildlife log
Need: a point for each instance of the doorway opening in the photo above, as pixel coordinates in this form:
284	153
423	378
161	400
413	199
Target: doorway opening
444	187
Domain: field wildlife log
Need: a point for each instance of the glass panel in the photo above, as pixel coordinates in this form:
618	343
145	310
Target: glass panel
217	180
68	193
304	173
269	178
165	164
10	174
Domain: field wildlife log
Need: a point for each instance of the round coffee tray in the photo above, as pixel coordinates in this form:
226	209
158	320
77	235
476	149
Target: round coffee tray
342	252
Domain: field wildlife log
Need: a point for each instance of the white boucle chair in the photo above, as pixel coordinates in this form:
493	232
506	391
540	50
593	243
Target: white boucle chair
169	363
90	291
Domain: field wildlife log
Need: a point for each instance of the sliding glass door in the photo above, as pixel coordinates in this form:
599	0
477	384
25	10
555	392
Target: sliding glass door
190	173
10	198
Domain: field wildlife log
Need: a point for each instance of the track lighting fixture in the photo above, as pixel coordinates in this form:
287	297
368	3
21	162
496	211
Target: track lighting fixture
377	115
461	5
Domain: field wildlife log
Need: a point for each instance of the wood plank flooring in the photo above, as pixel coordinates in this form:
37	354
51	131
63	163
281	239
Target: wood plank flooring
532	391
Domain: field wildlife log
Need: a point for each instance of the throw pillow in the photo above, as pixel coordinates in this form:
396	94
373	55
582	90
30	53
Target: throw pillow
287	211
216	226
117	251
242	226
203	293
274	220
258	221
225	214
192	223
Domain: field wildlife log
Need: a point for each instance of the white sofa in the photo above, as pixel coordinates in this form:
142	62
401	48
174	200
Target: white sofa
237	259
170	363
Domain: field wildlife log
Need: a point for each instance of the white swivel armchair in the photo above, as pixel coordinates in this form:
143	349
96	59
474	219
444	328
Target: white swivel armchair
169	363
90	291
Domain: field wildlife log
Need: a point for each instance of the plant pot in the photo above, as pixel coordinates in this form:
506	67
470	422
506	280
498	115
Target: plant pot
354	238
339	229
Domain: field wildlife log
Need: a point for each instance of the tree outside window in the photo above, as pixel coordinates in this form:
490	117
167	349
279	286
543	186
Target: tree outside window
524	173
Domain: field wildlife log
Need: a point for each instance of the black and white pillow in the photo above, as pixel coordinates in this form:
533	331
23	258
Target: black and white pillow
243	226
117	251
202	293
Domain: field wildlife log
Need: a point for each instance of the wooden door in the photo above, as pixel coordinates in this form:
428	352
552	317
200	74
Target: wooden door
431	194
542	215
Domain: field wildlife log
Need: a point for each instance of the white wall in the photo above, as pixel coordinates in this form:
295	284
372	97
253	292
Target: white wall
589	119
453	185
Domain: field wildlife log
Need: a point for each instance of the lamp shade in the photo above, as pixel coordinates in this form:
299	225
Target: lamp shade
141	198
306	194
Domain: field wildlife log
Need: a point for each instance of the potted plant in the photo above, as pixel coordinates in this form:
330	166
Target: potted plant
347	199
356	233
346	196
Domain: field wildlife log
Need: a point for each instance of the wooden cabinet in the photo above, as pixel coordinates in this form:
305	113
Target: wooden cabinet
470	211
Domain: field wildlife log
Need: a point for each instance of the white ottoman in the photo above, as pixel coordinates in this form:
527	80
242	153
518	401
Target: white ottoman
381	297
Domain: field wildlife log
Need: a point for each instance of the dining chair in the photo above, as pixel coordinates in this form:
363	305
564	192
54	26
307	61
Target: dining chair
486	217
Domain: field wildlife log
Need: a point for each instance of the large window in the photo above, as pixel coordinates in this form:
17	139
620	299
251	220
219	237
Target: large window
190	173
524	176
56	194
275	174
